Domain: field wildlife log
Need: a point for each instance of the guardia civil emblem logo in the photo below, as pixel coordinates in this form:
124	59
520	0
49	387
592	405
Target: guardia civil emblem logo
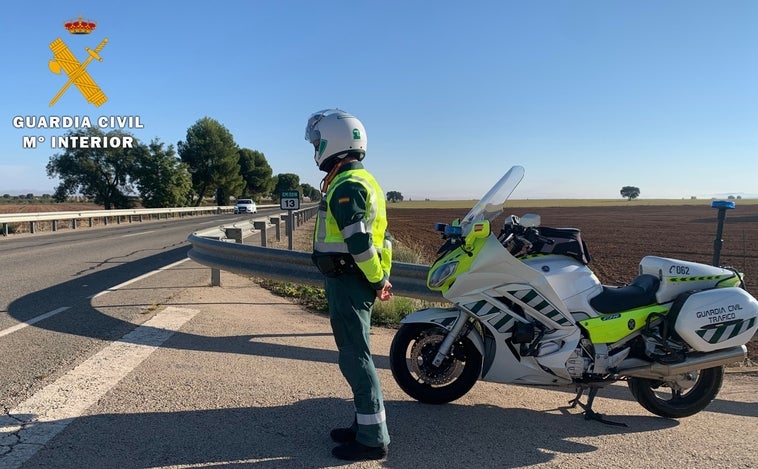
64	61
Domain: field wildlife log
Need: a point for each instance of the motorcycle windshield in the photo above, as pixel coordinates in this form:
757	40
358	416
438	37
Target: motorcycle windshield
491	204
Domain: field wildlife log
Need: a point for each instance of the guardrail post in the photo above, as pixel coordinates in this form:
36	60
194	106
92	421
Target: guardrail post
54	224
235	234
90	222
215	278
261	225
5	229
73	223
276	221
31	227
290	230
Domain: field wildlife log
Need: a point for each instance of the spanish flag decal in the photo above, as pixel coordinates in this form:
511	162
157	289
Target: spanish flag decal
343	200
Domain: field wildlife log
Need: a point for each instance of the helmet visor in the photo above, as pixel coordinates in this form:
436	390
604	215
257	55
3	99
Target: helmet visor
312	133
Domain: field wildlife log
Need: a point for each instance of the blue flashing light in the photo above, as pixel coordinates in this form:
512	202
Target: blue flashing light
722	204
453	230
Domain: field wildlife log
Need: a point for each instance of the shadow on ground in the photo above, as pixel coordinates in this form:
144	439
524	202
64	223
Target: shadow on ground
297	436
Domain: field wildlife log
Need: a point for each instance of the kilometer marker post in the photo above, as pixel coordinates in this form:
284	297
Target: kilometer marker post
289	200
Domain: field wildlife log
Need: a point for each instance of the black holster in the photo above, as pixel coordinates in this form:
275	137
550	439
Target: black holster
334	265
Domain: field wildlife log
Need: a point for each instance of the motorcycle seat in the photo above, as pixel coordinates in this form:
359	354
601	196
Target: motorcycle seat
641	292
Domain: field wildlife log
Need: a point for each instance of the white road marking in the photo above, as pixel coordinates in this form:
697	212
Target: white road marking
135	279
34	422
33	320
138	234
236	462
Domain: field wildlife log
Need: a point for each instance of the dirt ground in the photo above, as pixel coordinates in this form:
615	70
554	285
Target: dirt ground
619	237
34	208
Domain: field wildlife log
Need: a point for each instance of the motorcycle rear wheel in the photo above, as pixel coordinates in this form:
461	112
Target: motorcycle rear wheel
677	401
411	354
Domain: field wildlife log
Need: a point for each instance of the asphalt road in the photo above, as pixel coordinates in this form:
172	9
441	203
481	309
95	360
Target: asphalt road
166	371
58	274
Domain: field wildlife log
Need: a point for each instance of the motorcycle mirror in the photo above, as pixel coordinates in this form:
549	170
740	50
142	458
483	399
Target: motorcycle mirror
529	220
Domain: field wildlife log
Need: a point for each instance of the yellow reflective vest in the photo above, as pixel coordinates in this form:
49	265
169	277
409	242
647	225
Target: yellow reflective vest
352	219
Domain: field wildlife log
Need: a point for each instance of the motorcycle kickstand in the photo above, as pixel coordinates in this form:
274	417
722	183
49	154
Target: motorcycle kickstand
590	414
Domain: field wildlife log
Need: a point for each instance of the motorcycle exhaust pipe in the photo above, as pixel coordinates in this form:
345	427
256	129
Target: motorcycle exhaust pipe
693	362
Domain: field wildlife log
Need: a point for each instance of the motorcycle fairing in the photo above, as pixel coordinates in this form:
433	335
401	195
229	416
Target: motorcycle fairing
498	315
463	262
536	304
494	265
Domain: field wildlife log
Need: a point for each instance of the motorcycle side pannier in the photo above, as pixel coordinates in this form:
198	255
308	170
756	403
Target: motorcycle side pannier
715	319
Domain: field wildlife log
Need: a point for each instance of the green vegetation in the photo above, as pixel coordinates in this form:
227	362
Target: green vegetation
630	192
209	164
106	175
26	199
385	313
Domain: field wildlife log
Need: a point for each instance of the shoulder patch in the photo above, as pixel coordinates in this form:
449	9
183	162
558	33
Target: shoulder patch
343	200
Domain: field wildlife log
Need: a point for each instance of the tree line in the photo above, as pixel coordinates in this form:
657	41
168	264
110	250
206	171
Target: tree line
208	163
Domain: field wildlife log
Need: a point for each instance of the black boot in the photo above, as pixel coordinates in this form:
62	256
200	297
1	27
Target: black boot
359	452
342	435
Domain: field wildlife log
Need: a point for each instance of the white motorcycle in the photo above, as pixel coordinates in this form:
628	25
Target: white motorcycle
527	310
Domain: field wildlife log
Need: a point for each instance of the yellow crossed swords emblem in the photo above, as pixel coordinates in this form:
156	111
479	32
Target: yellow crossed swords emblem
76	72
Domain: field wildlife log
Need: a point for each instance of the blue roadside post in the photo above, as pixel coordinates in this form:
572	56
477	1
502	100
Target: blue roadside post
722	206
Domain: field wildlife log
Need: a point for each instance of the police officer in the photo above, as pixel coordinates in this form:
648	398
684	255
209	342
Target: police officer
351	248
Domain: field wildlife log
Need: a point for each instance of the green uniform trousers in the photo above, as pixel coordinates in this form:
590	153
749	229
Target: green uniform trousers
350	299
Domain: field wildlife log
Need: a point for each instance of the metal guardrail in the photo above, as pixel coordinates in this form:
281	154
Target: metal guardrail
34	217
47	216
408	280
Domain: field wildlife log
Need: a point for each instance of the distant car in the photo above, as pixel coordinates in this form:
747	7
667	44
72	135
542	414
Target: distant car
245	206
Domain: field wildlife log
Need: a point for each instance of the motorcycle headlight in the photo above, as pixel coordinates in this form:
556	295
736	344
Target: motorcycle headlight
442	273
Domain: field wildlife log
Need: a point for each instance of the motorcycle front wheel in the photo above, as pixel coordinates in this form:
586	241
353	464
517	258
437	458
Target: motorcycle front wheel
685	396
411	354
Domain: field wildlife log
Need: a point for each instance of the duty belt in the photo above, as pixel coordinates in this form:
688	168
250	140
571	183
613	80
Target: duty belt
334	265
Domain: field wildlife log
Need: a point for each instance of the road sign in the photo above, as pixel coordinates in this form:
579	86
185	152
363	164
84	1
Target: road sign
289	200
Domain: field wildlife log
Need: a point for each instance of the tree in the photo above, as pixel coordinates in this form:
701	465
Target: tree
311	192
255	172
286	182
103	174
630	192
213	160
394	196
162	179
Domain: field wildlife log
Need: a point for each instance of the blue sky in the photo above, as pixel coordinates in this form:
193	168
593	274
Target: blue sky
588	96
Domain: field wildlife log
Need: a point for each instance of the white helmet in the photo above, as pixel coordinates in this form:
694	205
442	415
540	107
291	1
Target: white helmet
335	134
